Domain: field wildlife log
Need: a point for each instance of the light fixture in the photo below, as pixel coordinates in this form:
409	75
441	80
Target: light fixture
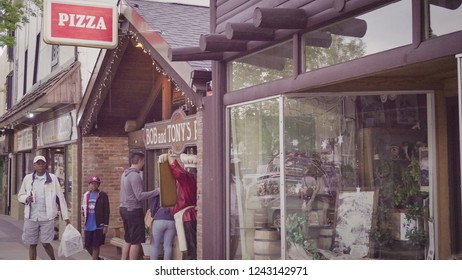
139	45
29	115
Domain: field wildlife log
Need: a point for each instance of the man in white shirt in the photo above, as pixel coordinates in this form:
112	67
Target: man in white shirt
41	191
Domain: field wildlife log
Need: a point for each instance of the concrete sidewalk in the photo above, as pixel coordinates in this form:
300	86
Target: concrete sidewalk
12	248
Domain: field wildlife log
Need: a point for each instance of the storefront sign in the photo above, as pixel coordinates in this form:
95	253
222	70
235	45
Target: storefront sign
83	23
57	130
24	139
177	133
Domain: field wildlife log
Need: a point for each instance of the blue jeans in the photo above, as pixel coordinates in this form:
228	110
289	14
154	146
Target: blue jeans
163	231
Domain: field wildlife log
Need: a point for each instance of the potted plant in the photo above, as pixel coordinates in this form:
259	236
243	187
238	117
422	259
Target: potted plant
400	196
300	245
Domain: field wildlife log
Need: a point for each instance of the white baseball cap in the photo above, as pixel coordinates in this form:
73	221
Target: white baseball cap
37	158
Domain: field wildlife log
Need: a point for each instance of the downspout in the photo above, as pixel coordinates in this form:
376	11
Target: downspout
79	176
459	82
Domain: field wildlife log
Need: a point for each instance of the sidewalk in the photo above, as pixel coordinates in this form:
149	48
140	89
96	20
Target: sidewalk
12	248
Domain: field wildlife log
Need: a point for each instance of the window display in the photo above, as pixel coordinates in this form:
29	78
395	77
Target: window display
348	177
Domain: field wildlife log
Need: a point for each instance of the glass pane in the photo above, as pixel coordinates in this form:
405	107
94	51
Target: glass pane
445	17
357	177
254	181
264	66
366	34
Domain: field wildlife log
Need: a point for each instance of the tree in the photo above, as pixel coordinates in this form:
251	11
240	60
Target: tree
13	15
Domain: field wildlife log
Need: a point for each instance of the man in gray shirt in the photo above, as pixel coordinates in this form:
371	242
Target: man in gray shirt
131	207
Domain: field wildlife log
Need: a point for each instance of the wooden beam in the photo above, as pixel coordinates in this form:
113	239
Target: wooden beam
150	100
219	43
192	54
279	18
166	98
352	27
247	31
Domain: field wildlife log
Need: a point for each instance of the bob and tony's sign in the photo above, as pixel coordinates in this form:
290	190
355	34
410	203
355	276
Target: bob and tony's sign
80	23
177	133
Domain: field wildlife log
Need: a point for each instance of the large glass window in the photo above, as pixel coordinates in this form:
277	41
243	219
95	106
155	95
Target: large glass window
445	17
379	30
268	65
352	180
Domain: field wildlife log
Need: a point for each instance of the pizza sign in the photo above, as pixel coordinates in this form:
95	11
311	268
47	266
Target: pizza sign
83	23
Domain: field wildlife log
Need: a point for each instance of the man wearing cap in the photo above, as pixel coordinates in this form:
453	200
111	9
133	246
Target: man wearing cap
40	192
95	207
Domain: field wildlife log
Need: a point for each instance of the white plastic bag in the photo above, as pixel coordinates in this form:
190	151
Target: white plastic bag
71	242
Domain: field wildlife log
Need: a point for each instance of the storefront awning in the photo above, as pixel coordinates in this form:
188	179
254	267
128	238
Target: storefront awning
61	88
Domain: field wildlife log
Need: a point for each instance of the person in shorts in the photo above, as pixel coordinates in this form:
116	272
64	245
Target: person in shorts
41	192
131	207
95	207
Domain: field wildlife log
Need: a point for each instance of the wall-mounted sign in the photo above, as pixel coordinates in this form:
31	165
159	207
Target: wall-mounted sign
24	139
177	133
80	23
61	129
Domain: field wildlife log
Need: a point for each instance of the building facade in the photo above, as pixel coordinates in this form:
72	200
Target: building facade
338	134
136	93
43	90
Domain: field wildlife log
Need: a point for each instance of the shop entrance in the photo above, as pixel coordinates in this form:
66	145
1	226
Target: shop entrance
454	175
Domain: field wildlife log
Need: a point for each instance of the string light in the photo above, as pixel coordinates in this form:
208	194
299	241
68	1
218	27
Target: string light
114	56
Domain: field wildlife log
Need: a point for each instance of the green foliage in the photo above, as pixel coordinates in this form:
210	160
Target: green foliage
294	231
399	188
13	15
416	237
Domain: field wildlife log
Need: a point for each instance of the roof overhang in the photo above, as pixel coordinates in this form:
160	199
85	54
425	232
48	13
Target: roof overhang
47	95
181	72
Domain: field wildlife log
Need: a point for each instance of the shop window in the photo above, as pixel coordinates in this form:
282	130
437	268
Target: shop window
370	33
348	178
268	65
444	17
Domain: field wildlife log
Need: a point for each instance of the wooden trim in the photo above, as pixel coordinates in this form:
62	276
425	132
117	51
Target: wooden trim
418	30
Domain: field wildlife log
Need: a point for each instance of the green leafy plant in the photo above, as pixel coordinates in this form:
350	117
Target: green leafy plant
295	235
294	232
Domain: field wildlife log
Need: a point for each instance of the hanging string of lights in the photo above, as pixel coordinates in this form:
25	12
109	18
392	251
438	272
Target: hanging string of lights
106	76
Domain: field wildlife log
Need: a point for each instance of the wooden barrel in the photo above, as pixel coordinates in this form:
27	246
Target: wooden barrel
260	218
267	244
325	238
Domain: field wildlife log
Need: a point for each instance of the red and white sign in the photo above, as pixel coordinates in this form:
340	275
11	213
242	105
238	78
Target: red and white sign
80	23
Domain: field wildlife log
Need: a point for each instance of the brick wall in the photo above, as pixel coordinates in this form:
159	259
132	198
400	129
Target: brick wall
106	157
200	149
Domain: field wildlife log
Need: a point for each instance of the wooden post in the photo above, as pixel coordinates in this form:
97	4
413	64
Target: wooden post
166	98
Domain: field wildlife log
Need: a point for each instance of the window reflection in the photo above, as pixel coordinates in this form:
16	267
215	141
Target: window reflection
445	17
382	29
268	65
351	183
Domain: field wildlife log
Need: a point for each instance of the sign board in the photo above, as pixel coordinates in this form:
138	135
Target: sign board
80	23
57	130
177	133
24	139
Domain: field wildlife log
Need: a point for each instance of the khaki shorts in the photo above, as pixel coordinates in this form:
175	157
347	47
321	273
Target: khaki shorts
34	231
